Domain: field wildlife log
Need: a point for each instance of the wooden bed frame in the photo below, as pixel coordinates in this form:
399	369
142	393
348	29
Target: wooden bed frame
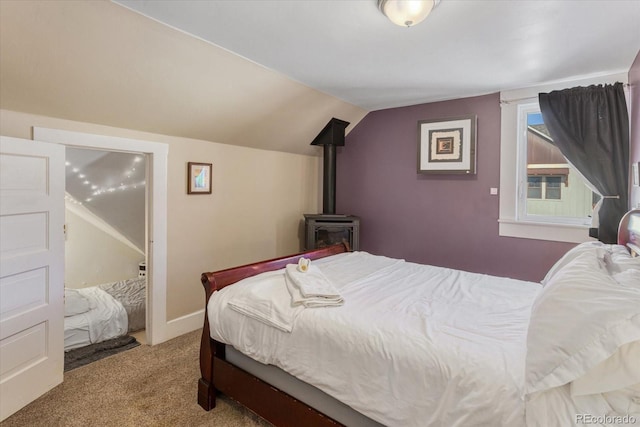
270	403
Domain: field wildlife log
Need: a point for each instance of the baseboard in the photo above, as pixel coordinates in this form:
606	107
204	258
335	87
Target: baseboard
184	324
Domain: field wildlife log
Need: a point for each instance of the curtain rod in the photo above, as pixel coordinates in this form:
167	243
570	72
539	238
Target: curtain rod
509	101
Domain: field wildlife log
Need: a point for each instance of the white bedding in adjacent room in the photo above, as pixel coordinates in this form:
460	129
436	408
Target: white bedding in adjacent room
104	318
131	293
413	345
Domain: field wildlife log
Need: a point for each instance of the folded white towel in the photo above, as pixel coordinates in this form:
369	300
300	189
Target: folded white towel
311	288
267	302
298	300
312	283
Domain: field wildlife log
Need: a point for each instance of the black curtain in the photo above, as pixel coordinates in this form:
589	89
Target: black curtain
590	126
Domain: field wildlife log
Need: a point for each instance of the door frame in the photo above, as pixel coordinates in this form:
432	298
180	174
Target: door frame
156	205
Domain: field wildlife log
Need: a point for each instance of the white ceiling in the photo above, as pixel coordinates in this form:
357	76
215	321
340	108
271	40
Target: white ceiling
112	186
348	49
98	62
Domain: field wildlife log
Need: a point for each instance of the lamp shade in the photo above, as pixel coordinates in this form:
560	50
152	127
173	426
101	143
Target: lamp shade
406	13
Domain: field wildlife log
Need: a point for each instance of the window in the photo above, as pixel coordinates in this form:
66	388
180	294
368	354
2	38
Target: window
517	215
552	189
549	188
534	187
544	187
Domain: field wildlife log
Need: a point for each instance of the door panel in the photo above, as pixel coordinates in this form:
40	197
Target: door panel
23	291
31	271
23	234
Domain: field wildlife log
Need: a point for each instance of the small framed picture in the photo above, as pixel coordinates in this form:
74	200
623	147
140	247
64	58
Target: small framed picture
198	178
447	146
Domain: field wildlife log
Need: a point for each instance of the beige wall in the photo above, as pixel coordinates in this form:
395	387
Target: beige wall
254	212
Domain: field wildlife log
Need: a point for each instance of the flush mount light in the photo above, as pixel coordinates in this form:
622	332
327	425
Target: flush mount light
407	13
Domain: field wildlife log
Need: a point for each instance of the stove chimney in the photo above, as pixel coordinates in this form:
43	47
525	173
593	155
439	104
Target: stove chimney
331	136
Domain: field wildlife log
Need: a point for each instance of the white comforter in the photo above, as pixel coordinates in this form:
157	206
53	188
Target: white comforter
413	345
104	319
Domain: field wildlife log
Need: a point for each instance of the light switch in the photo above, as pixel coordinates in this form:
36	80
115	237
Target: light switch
493	191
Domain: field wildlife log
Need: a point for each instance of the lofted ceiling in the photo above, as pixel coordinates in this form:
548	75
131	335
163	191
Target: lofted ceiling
111	185
350	50
270	73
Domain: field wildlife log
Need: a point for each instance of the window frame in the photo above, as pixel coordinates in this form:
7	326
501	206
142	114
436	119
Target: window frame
509	223
523	110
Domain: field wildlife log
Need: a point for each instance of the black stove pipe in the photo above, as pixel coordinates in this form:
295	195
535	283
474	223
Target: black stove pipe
329	180
330	137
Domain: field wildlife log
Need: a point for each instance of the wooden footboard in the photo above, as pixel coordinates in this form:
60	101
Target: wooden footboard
218	375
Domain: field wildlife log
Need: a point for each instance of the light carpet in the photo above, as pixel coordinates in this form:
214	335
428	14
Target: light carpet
144	386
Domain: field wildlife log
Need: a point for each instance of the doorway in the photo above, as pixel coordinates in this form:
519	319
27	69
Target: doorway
156	155
105	222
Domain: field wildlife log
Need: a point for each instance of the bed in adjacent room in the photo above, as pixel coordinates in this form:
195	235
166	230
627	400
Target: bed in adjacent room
404	344
99	313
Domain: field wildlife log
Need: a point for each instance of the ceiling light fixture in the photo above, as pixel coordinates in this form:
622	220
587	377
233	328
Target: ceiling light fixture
407	13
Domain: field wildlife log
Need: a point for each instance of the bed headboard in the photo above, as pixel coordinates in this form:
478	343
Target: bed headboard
629	231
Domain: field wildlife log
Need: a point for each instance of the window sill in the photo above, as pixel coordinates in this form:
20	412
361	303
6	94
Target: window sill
544	231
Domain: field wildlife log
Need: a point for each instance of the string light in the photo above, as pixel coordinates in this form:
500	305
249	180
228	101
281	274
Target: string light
97	190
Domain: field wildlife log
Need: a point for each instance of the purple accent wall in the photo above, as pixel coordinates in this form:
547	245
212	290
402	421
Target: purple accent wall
447	220
634	118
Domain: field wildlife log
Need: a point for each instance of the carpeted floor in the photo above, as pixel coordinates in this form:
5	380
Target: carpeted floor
144	386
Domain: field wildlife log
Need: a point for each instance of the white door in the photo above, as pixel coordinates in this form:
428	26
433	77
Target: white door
31	271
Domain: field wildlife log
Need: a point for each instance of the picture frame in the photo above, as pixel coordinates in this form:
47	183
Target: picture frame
447	146
199	178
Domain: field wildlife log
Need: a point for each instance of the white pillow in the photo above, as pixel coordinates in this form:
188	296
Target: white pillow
621	370
628	277
75	303
577	321
621	260
570	256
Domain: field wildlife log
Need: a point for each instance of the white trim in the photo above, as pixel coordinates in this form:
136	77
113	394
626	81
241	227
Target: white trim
184	324
543	231
157	171
508	224
523	110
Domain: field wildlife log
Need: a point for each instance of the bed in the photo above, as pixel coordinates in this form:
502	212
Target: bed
99	313
417	345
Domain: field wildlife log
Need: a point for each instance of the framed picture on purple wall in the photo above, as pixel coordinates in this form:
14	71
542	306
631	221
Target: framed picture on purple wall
447	146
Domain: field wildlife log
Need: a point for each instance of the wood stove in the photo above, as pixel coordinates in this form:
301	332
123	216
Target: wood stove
325	230
329	228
